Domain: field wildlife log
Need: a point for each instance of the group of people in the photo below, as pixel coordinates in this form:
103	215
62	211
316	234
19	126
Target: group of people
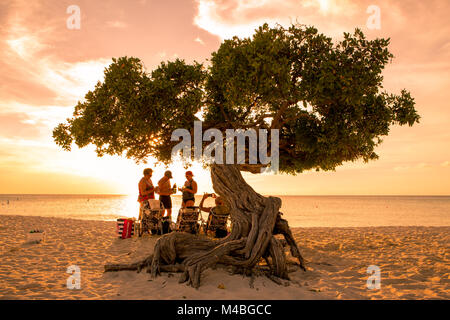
147	190
164	189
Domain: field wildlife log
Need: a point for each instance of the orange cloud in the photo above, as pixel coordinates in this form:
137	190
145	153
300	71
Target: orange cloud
69	81
239	17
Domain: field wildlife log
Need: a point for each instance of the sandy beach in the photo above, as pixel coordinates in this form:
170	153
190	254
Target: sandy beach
414	264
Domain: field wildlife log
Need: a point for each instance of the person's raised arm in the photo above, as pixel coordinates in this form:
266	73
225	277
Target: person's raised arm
206	209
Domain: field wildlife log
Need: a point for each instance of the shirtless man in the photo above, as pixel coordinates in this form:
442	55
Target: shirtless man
165	190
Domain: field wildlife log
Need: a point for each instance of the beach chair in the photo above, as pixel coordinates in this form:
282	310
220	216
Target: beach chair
188	220
217	223
150	217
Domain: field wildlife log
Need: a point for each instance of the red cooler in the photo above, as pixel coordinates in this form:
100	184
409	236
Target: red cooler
125	228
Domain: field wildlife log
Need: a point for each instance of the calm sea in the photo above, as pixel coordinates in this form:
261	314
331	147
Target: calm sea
300	211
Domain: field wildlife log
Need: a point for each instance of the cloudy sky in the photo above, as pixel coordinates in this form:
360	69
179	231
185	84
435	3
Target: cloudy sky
47	66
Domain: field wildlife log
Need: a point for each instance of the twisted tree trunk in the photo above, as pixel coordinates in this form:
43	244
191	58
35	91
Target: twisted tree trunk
255	220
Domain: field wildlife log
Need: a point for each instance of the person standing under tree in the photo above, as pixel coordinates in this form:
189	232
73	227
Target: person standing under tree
146	189
189	190
165	190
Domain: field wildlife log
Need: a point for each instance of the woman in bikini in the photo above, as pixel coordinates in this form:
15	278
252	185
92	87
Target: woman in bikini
189	190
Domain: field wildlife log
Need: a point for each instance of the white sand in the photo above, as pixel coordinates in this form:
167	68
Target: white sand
414	263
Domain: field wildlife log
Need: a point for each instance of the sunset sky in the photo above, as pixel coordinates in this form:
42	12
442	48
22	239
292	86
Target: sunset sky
47	67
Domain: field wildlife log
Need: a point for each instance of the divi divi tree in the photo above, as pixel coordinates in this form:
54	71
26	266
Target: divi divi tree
325	99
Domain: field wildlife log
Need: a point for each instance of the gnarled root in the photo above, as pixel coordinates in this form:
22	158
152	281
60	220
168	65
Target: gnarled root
195	264
139	265
282	227
175	247
278	265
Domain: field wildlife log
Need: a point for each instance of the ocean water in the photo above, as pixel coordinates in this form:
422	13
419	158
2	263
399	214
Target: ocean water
300	211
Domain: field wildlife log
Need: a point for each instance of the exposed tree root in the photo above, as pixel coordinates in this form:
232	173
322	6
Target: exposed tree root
282	227
255	220
138	266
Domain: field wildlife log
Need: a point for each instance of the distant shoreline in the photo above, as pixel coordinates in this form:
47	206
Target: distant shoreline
308	227
301	211
199	195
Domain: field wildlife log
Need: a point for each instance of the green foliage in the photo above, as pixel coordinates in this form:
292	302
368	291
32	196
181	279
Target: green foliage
326	99
134	112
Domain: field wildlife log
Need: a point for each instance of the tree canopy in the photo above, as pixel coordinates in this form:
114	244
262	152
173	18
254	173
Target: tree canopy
326	99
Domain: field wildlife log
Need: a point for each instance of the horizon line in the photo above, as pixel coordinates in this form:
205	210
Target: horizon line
263	194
